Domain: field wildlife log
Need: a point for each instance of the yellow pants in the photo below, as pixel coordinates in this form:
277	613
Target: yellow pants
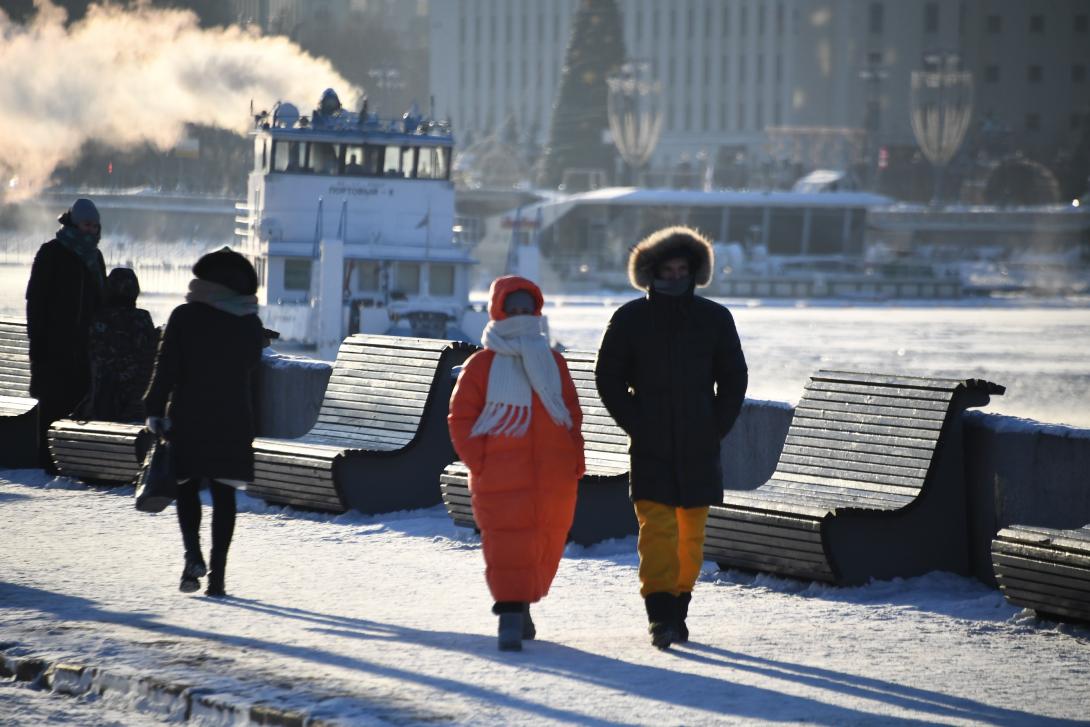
671	546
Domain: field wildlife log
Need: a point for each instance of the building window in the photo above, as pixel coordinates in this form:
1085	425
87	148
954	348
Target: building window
1033	122
994	24
760	68
708	21
690	22
1078	73
297	274
1081	23
779	19
1076	122
1037	23
991	73
877	16
931	18
1034	74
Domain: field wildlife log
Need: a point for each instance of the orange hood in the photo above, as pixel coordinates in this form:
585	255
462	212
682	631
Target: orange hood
505	285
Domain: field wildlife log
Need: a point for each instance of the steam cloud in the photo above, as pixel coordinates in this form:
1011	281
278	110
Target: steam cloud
126	76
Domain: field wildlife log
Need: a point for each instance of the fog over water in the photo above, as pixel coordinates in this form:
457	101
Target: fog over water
142	75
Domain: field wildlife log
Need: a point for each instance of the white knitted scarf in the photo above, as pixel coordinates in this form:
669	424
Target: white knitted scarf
523	362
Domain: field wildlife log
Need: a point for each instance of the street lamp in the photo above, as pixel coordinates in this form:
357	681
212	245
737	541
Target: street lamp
635	110
942	105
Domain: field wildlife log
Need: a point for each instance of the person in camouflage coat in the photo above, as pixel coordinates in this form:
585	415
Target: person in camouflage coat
122	343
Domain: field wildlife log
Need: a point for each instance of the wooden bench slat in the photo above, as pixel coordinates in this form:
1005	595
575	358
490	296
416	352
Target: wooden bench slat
877	394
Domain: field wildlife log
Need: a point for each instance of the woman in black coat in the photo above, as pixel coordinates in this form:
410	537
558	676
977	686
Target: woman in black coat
210	350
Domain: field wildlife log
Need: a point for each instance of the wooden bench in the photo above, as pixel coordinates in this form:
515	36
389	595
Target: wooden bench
870	484
1046	569
380	441
18	411
108	453
603	509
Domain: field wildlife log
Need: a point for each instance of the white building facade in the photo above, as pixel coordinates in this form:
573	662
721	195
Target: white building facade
725	66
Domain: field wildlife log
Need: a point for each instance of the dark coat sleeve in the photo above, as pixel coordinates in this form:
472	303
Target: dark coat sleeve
731	376
38	296
613	372
165	375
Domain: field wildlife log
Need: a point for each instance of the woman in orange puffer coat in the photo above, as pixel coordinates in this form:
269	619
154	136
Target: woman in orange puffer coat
515	422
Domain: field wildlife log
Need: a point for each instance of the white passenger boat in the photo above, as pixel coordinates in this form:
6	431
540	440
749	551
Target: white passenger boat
349	220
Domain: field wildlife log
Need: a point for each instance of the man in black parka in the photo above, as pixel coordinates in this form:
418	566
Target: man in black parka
671	372
66	287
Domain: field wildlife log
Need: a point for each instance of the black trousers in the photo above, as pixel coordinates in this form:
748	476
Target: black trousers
224	508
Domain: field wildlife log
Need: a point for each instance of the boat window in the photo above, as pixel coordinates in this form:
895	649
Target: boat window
425	162
361	160
367	276
408	278
392	163
441	280
261	154
432	162
289	156
325	158
297	274
407	161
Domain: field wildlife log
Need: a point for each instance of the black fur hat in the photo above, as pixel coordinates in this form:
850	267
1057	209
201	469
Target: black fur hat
667	243
227	267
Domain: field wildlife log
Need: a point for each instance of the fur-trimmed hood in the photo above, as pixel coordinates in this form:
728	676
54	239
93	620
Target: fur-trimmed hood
670	242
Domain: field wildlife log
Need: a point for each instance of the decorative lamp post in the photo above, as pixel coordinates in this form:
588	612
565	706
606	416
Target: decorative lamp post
942	105
635	113
873	75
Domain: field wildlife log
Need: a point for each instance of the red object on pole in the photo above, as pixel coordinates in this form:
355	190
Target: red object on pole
110	168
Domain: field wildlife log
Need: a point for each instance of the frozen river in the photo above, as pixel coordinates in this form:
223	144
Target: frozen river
1039	350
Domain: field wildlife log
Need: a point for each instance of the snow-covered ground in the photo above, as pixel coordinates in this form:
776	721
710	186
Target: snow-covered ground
385	620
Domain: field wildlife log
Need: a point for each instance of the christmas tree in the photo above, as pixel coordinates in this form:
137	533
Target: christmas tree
580	119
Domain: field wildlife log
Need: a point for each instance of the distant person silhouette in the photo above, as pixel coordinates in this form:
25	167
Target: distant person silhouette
122	343
66	287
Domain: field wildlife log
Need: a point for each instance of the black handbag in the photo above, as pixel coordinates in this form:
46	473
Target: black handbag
156	485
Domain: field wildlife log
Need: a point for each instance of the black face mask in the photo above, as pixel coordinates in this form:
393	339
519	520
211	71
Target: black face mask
672	287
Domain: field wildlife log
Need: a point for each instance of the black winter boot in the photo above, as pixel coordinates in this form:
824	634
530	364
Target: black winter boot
510	631
192	572
529	631
682	612
660	617
215	585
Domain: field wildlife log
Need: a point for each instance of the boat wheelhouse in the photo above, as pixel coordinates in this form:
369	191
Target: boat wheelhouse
349	222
